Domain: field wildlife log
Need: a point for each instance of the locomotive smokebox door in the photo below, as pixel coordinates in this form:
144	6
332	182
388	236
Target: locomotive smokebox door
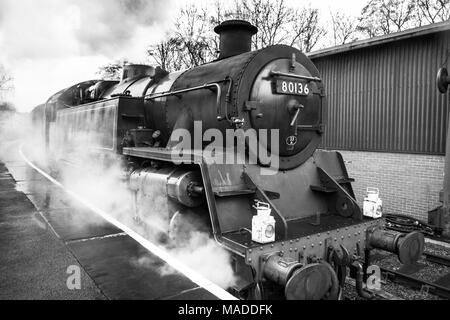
287	94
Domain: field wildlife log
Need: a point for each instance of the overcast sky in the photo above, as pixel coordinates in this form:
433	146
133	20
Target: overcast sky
48	45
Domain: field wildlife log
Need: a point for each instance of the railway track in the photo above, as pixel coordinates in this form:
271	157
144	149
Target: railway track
406	283
415	282
439	259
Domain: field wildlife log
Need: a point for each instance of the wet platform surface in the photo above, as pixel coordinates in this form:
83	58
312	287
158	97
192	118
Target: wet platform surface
43	232
33	262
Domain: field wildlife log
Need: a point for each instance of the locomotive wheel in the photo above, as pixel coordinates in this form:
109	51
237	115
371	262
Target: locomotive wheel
316	281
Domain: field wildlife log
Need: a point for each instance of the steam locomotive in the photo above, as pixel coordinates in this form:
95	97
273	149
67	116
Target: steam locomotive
314	233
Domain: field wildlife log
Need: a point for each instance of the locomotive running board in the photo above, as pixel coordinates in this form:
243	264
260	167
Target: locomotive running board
228	189
163	154
194	158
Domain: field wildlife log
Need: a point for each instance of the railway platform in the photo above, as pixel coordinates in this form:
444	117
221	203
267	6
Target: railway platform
43	243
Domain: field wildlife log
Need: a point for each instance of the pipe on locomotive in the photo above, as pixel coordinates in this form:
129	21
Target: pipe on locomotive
210	86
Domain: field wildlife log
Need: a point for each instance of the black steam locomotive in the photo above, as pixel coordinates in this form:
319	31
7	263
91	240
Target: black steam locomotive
313	231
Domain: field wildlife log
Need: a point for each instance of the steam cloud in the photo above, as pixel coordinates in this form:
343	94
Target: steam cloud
103	184
105	187
49	28
54	44
48	45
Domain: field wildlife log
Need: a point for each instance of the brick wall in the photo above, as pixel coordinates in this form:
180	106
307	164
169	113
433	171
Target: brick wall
409	184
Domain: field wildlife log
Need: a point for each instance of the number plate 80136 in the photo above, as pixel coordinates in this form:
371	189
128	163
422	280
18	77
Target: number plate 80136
292	87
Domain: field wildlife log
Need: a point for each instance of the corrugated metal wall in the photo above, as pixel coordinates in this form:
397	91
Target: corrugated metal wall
384	98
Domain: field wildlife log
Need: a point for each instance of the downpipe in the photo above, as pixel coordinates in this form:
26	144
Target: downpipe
360	282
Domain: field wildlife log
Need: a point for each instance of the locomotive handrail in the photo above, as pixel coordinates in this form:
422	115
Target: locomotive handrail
173	93
297	76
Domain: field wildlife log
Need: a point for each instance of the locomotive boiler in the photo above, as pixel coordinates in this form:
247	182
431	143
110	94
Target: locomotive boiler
271	105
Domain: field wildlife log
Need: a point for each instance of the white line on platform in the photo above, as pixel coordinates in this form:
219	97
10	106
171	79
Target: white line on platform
156	250
109	236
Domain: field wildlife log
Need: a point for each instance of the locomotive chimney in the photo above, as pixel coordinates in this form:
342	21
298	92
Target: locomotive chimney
235	37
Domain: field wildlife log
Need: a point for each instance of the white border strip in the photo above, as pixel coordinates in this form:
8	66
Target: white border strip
161	253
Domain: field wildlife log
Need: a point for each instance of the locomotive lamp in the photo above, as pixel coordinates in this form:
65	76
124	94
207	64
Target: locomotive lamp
443	80
373	205
263	224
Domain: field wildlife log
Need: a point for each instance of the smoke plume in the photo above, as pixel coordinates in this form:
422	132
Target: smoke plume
51	28
103	183
51	44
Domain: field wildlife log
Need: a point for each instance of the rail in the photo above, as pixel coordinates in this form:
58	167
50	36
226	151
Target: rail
414	283
434	258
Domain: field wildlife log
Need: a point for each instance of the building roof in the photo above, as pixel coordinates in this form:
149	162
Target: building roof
407	34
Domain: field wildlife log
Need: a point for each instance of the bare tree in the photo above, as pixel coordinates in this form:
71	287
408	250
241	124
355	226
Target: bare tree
6	80
270	17
343	28
165	54
432	11
380	17
6	86
6	107
193	41
193	31
307	30
111	71
279	23
217	16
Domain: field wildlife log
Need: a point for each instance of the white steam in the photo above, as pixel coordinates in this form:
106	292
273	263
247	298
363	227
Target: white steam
13	127
105	188
102	183
55	28
51	44
201	253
